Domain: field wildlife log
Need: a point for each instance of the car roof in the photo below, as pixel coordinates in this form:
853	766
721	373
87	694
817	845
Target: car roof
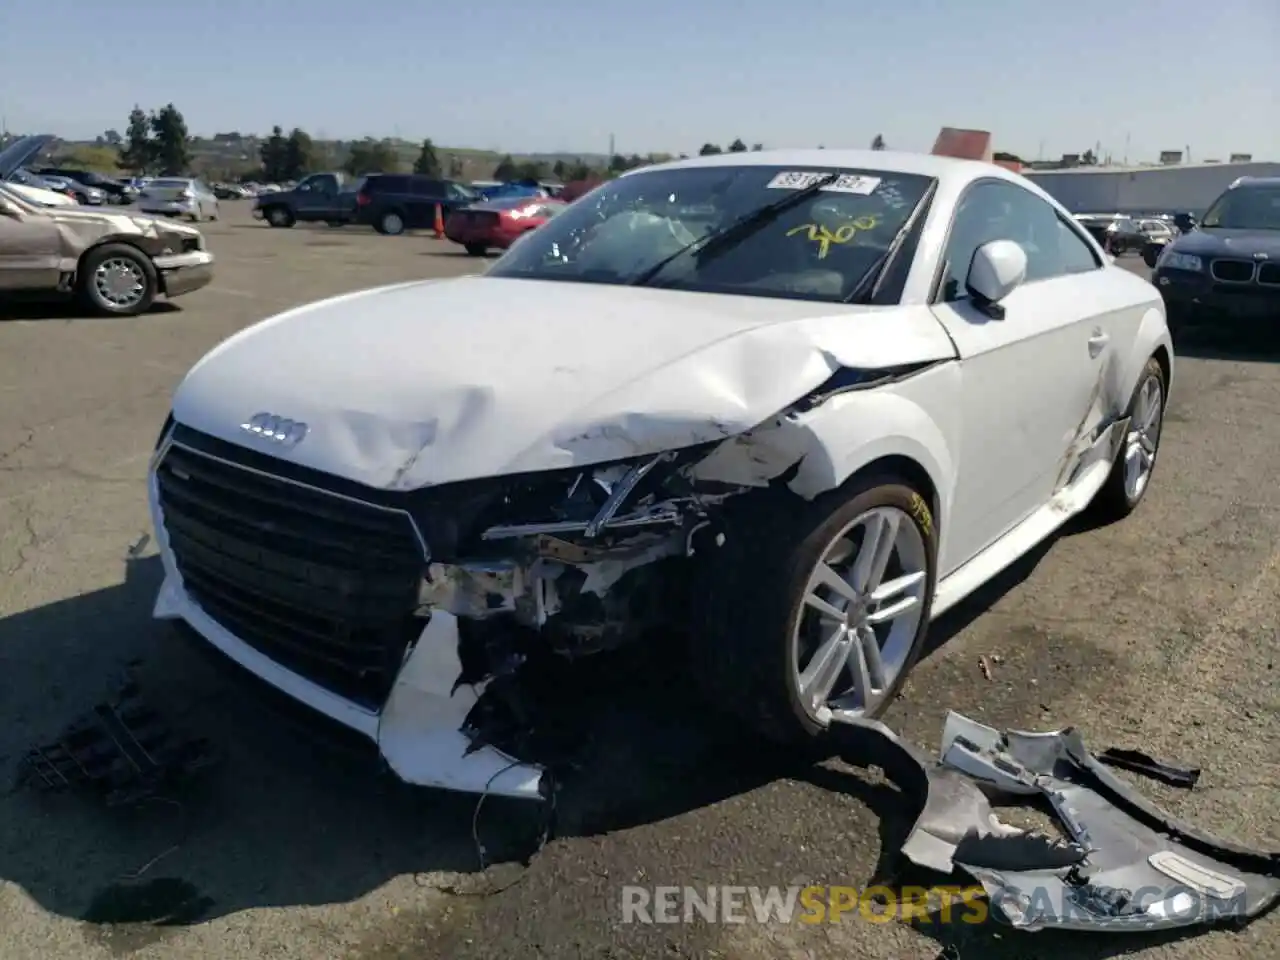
949	169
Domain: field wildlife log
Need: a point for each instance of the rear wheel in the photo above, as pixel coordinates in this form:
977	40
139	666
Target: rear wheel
1131	473
391	224
118	280
811	612
477	249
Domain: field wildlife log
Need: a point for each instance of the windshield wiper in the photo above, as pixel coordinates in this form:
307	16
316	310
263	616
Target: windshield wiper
873	279
737	231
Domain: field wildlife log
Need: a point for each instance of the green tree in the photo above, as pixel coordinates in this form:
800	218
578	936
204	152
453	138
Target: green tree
709	150
138	154
371	156
272	154
506	169
757	147
577	171
877	143
427	163
617	163
170	130
298	152
560	169
737	147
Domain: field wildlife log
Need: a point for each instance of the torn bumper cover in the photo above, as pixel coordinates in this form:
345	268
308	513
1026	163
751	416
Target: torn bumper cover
1123	865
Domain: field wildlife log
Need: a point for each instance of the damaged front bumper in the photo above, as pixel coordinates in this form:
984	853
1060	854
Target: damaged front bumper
1122	865
428	720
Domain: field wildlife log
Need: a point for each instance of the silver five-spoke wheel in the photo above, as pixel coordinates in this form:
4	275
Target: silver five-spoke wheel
860	615
120	282
1143	439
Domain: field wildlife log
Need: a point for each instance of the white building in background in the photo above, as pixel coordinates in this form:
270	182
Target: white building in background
1188	186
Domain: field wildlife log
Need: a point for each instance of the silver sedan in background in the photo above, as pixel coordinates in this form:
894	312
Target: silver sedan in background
178	197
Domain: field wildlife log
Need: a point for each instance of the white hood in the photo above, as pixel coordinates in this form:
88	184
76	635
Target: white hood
433	382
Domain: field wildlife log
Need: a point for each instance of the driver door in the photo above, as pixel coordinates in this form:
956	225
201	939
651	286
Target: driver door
1027	379
30	250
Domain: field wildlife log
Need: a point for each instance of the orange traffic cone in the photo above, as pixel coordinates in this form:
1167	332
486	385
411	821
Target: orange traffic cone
439	225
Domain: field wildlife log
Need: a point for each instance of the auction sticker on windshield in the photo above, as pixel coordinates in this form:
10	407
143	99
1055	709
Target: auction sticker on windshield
845	183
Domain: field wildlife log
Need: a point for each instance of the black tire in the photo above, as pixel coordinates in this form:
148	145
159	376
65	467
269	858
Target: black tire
390	223
94	299
335	223
279	216
748	595
477	249
1113	501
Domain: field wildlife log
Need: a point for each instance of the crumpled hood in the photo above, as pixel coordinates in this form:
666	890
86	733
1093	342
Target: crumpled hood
437	381
1222	243
125	223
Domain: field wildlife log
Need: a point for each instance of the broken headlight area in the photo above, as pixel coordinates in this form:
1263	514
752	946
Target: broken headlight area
588	559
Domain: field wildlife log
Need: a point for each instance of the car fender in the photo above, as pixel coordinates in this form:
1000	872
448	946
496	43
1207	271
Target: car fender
819	448
852	431
1153	333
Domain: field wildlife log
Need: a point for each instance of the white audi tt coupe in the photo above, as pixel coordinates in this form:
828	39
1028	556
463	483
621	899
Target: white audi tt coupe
793	404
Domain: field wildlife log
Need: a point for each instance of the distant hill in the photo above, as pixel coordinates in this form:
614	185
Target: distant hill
229	155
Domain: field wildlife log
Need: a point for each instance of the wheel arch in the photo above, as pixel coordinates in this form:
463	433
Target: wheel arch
866	431
126	240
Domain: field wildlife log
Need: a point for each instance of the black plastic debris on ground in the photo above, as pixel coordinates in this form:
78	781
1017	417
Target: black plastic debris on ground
122	750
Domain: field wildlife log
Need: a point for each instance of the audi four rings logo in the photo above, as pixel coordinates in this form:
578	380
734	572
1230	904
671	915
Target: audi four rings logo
289	433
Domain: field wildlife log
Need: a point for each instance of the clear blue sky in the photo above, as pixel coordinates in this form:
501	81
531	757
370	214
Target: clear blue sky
663	75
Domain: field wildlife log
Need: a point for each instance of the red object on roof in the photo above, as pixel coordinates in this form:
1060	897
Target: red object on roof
963	144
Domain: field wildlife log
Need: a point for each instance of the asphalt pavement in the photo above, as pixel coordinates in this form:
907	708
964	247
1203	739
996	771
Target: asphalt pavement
1159	633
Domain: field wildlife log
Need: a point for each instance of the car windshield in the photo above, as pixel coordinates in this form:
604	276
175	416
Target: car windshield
819	249
1246	208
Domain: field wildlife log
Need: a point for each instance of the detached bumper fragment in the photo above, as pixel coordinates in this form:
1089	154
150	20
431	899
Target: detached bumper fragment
1124	865
121	750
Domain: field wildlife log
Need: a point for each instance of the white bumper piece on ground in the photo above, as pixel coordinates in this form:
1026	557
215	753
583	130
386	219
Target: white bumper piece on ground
418	731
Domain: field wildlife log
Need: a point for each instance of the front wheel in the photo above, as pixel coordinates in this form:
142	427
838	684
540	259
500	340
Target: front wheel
477	249
118	280
1131	473
817	611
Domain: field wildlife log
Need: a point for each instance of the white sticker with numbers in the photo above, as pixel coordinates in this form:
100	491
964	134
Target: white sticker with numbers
845	183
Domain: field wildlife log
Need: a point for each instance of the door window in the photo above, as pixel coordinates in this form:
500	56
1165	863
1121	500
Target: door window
994	210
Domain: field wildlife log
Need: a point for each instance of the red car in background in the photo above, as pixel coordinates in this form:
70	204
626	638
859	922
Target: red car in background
498	223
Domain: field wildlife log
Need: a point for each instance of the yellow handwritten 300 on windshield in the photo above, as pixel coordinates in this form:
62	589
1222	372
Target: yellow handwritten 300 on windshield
824	237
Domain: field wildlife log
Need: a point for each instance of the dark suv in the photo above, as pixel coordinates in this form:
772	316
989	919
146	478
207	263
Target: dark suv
392	203
1229	268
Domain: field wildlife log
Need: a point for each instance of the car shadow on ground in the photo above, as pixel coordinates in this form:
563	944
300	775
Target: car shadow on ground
281	822
1206	343
69	308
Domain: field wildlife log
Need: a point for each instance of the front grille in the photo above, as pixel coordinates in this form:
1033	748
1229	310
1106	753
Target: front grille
1269	273
323	585
1232	271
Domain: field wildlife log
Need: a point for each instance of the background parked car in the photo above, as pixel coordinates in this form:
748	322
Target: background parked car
512	188
498	223
1117	234
38	190
89	196
321	197
392	203
179	197
115	191
116	264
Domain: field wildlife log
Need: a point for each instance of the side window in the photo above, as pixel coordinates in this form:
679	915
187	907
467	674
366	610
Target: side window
426	188
994	210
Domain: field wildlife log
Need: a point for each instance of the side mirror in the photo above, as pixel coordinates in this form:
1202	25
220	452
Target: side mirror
998	268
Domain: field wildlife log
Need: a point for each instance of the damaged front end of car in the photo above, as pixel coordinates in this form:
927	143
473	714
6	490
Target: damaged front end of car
455	667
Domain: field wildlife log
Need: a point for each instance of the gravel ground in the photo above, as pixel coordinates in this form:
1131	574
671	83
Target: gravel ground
1157	633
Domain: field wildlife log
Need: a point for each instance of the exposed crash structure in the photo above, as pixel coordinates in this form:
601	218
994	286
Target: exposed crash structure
758	400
